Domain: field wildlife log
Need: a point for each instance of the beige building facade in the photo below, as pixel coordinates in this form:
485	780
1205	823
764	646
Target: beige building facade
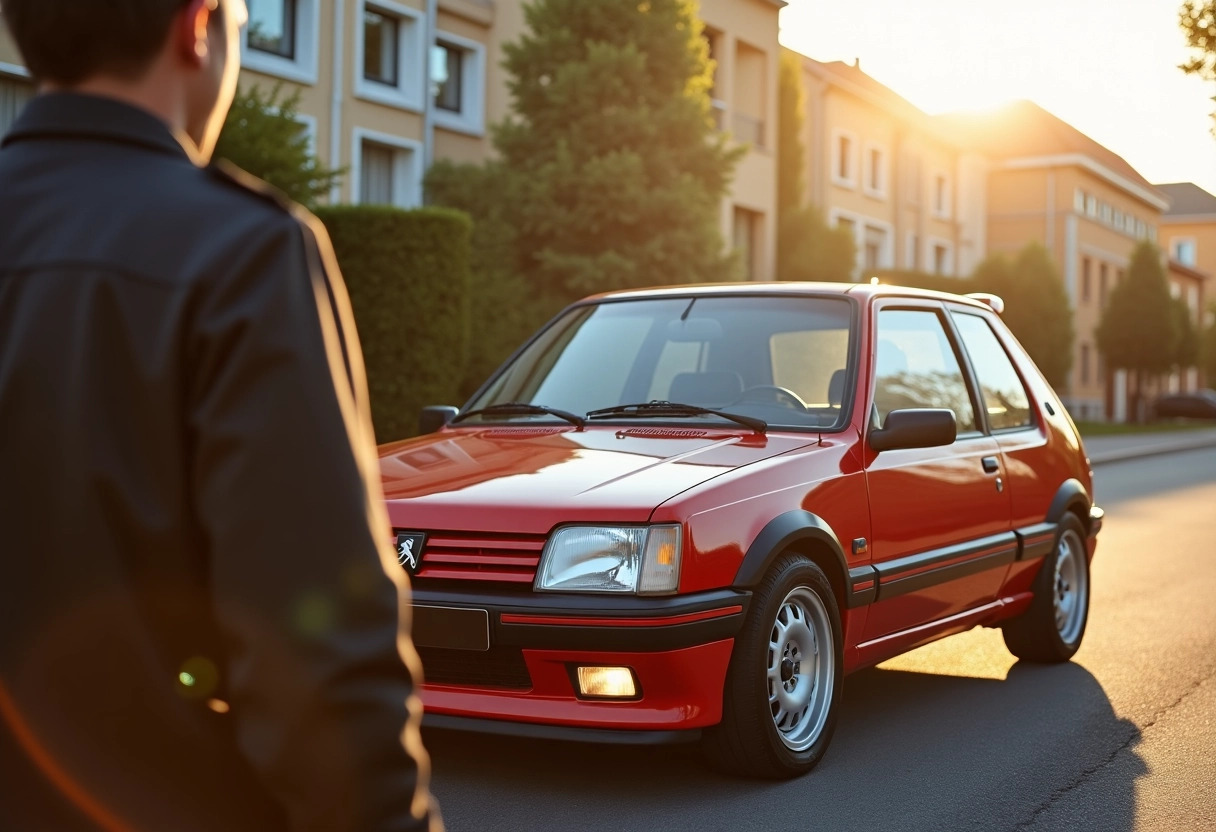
911	195
386	86
1051	184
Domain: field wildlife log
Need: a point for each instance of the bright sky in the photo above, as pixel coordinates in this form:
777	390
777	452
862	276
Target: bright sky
1108	67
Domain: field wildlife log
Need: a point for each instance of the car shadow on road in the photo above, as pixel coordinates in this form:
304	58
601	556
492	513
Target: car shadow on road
912	750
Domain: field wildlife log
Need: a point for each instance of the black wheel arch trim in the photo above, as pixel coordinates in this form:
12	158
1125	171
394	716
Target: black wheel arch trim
799	526
1070	496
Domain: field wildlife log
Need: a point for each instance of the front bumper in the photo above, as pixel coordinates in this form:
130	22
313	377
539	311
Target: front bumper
678	647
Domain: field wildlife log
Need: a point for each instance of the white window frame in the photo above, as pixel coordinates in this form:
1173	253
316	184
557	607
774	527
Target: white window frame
849	181
883	171
886	254
1174	241
1078	201
407	176
303	67
931	250
942	208
412	83
472	87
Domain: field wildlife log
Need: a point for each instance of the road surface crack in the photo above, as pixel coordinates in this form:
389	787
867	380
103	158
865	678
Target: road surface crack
1133	736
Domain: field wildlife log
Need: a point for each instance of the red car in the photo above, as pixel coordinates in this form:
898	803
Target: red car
692	511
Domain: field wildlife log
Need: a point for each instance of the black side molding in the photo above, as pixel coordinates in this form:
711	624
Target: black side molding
1035	541
908	574
783	531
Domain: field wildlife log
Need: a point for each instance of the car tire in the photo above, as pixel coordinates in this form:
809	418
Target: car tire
782	692
1051	629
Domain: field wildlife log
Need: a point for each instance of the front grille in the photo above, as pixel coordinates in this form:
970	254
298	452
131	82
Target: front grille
498	667
456	556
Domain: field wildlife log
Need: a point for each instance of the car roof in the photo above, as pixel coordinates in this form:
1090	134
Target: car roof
862	291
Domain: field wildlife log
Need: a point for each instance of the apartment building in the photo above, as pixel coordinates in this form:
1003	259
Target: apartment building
386	86
911	194
1188	234
1050	183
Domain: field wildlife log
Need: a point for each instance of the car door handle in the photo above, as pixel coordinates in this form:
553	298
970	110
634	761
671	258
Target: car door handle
991	464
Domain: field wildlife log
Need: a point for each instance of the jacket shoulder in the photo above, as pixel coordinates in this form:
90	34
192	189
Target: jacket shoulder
238	182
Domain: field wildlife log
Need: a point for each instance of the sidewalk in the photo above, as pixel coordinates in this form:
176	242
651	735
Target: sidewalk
1104	449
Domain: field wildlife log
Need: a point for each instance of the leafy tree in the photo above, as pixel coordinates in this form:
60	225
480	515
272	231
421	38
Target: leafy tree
504	307
807	248
1198	21
1138	330
1208	350
263	136
1187	346
1036	307
620	172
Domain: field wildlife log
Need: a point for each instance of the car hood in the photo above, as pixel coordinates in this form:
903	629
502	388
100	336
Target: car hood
528	480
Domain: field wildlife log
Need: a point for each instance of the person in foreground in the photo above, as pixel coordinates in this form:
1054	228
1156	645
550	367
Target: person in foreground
204	626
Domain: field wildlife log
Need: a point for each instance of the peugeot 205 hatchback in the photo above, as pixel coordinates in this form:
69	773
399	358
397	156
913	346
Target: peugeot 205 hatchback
692	511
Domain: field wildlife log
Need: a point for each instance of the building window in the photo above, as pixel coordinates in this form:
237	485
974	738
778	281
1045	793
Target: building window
390	54
941	195
1078	201
746	238
447	75
876	172
913	257
272	27
1086	268
941	258
457	83
1091	205
281	38
381	42
843	150
14	92
875	249
1085	363
386	170
1102	286
749	110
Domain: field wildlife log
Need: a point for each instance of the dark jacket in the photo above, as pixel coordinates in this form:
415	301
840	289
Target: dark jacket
198	595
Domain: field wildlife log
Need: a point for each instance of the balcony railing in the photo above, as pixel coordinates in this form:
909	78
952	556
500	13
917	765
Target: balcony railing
748	129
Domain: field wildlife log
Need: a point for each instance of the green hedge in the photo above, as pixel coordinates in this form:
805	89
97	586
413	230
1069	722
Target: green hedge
408	276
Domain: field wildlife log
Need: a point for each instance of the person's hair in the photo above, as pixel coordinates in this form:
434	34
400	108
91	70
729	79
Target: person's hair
68	41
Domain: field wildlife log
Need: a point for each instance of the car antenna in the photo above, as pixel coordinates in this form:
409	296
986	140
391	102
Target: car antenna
688	309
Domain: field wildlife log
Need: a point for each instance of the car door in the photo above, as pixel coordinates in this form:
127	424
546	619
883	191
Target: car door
940	517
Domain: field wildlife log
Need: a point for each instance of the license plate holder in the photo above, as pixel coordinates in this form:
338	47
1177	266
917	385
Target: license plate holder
452	628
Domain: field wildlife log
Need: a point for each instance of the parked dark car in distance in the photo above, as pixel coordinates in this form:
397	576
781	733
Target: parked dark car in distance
1200	404
691	511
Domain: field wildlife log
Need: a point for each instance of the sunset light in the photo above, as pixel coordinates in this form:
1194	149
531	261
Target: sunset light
1107	68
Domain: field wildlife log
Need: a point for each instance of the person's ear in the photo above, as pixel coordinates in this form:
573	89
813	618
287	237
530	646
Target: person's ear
190	32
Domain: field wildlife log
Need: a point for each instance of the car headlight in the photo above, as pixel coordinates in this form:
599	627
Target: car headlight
644	560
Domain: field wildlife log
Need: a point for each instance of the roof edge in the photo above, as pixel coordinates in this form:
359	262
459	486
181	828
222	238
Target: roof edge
1153	197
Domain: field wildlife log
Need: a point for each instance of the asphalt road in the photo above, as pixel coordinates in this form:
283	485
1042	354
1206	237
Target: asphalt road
956	735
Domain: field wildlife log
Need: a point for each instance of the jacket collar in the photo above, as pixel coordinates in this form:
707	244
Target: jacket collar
92	117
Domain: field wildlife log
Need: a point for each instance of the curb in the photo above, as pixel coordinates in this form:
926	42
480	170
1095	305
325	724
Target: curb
1152	450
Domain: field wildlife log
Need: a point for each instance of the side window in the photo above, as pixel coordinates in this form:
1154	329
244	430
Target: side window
1005	397
915	366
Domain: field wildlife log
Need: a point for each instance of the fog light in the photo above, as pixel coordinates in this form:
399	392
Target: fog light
608	682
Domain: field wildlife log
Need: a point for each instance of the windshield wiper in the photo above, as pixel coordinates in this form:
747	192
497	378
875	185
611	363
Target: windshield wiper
665	408
521	409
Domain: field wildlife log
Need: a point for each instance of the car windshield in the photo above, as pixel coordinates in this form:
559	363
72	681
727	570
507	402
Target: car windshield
784	360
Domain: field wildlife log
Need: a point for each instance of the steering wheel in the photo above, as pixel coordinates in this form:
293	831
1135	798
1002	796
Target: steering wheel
782	394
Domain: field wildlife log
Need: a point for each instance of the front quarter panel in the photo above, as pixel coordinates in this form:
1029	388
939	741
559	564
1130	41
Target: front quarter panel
724	519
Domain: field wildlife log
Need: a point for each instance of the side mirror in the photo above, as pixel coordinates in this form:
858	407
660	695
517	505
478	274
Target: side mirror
915	428
435	416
